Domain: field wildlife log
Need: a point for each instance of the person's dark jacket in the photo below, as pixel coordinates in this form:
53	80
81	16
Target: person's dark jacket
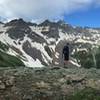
65	52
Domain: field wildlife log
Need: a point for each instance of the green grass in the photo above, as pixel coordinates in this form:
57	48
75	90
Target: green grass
3	46
86	94
7	60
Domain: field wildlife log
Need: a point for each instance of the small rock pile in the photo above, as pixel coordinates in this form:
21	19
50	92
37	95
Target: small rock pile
5	82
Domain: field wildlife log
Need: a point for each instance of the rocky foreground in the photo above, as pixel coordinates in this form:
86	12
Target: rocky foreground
49	84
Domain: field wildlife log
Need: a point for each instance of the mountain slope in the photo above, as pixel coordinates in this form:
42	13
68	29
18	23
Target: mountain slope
39	45
7	60
10	61
49	84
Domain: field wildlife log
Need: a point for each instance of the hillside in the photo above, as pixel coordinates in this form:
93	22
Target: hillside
49	84
24	45
7	60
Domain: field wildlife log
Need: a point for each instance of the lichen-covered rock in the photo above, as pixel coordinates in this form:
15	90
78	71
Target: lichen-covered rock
67	89
9	81
93	83
2	85
42	85
75	79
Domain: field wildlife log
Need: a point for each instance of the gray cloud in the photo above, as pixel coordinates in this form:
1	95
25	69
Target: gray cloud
38	10
97	3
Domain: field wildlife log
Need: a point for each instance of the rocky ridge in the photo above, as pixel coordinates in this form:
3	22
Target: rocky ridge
39	45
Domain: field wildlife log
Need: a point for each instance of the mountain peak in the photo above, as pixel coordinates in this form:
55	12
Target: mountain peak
16	22
1	22
45	23
48	23
61	22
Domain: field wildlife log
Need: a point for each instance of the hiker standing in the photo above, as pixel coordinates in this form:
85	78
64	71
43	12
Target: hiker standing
65	54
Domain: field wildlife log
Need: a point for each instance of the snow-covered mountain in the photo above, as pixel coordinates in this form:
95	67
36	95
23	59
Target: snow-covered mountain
39	45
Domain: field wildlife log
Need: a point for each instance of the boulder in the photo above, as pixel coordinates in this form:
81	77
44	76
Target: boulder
2	85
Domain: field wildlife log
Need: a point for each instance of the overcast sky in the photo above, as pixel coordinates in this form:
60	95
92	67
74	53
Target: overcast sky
39	10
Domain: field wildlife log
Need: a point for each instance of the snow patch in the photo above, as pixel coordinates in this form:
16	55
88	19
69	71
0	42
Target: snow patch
82	49
57	55
40	47
75	63
93	30
84	41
